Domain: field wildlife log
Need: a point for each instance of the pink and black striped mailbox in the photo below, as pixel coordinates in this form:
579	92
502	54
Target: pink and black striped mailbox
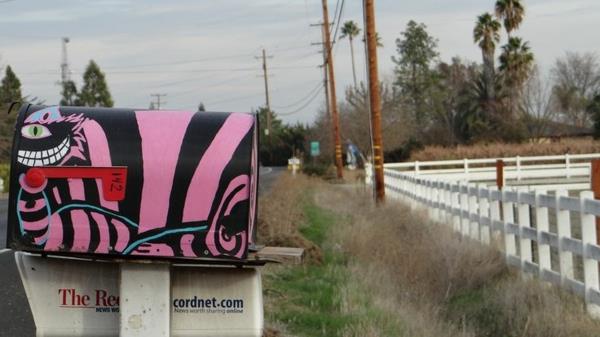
122	182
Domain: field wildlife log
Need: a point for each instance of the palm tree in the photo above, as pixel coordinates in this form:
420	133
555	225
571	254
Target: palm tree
351	30
516	62
512	12
487	34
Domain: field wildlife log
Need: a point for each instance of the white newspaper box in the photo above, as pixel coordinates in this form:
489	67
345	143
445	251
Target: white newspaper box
75	297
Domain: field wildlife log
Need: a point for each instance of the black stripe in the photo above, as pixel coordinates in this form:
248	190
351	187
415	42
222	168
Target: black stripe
94	233
68	230
199	135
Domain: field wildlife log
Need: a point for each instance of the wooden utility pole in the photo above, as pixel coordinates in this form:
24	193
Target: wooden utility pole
375	100
333	100
267	100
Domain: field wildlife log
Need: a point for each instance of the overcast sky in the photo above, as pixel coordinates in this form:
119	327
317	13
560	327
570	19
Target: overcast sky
204	50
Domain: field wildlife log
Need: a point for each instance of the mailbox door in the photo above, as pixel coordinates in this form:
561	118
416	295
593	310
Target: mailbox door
134	183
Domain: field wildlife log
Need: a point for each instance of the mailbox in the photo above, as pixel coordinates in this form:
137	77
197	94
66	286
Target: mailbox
133	183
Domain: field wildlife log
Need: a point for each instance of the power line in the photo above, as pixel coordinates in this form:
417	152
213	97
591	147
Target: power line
315	95
319	86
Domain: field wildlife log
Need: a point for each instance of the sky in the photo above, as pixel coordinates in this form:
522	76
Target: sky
206	51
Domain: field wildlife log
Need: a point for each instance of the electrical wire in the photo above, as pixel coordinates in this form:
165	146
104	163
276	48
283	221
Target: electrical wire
338	22
315	95
318	87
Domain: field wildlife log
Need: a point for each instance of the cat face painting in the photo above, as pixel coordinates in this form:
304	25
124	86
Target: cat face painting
185	182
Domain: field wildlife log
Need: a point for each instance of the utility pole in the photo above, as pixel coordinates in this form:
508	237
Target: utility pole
65	74
324	66
267	100
157	103
375	100
334	113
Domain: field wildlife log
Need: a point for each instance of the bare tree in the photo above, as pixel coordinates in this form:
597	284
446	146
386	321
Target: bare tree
577	78
538	105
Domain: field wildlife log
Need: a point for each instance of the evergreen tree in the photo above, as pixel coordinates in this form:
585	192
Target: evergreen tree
417	52
94	92
10	88
10	91
69	94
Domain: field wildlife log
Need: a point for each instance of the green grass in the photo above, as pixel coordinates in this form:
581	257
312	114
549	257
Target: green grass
312	300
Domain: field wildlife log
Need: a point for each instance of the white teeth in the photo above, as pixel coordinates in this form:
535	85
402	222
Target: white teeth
45	157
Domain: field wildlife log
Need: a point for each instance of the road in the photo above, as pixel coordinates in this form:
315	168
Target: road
15	316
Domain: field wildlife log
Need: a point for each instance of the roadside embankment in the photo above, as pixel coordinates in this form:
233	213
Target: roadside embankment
386	271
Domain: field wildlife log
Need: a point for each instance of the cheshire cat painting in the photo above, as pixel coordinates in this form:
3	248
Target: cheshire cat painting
122	182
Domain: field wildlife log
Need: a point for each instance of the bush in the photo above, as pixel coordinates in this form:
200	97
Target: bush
316	169
5	175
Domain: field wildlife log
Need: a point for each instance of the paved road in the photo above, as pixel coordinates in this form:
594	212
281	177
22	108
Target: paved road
15	316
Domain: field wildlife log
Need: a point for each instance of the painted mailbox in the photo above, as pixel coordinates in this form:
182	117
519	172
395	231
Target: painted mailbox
123	182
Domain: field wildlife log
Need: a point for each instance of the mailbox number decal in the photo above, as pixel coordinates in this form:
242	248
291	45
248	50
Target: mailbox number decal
71	214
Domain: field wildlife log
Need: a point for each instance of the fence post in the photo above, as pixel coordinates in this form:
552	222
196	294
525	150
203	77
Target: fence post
466	168
455	207
541	224
568	165
518	168
416	168
473	212
590	265
464	209
484	208
563	224
524	244
494	216
508	216
448	203
500	174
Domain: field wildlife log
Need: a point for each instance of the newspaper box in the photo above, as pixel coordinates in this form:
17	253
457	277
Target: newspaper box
121	217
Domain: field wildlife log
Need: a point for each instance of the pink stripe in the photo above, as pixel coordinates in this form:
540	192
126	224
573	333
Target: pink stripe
35	225
186	245
207	176
215	233
56	195
104	233
122	235
99	155
55	233
162	135
76	188
38	204
82	232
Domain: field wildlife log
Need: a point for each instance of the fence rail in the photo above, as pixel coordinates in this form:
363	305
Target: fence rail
515	220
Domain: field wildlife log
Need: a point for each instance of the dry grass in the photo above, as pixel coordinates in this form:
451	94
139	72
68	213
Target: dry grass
442	285
400	270
280	215
497	150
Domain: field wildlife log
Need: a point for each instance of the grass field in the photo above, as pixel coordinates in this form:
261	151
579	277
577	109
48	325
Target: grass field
388	272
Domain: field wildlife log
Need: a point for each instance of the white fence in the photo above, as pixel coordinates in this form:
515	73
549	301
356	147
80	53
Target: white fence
517	220
546	172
